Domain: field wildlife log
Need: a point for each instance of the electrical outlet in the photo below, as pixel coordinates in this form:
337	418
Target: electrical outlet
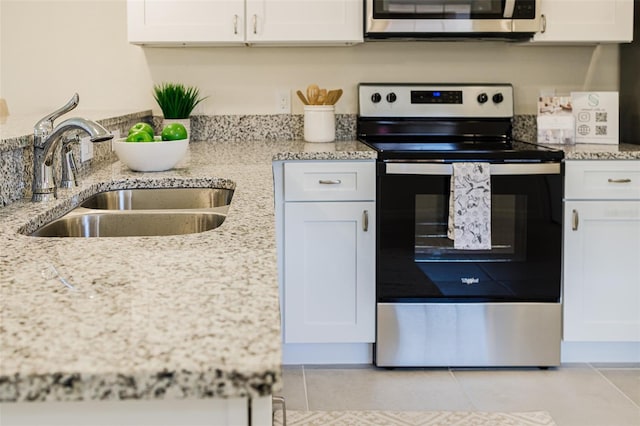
283	101
86	149
116	135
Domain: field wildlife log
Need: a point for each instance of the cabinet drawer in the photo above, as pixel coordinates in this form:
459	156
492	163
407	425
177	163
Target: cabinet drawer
329	181
608	180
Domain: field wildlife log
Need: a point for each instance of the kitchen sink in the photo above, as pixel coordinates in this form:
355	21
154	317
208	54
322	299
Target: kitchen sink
83	223
143	212
159	198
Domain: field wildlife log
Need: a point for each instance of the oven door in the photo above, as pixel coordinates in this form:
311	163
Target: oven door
433	17
417	262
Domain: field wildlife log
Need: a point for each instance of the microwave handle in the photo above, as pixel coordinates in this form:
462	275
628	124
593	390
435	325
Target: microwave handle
509	7
495	169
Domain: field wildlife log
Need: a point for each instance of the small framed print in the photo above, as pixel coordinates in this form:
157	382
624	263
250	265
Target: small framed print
596	115
556	124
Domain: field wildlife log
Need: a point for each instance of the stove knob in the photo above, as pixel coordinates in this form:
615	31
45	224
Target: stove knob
375	98
482	98
391	97
497	98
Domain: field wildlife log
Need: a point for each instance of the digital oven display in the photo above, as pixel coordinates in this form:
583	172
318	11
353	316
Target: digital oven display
436	96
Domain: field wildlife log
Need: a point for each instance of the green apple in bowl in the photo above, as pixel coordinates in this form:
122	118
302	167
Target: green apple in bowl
142	127
139	136
174	132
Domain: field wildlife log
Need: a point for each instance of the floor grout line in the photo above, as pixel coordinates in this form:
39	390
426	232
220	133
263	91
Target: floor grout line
597	370
304	386
466	395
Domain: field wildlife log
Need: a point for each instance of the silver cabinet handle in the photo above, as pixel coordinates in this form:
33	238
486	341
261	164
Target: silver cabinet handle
280	400
255	23
543	21
619	180
575	220
365	220
330	181
235	24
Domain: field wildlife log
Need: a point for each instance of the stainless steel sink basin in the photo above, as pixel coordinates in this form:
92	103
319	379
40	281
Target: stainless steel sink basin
160	198
143	212
88	223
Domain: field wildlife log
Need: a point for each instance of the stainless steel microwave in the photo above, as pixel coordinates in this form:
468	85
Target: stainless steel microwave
451	19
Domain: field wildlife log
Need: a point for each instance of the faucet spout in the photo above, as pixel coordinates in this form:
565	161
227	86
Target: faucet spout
96	132
47	138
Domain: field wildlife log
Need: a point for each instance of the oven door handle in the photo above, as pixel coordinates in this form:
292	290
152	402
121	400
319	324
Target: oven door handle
495	169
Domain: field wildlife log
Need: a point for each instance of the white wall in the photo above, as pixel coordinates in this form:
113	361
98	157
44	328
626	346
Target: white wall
52	48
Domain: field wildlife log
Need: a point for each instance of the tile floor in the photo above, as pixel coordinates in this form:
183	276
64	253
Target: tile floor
574	394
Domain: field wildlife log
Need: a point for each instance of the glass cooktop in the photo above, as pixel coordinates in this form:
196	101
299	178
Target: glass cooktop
463	150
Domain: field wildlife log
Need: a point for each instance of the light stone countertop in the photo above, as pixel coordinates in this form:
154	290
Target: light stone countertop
599	151
189	316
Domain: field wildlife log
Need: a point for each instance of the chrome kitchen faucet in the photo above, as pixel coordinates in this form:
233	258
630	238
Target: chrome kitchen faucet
45	141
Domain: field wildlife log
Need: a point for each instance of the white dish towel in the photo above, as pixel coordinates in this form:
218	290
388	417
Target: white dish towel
470	206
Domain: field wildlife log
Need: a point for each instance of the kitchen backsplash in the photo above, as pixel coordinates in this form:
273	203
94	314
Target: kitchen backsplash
16	164
262	127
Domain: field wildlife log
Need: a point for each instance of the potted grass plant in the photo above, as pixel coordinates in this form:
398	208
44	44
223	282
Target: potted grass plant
177	101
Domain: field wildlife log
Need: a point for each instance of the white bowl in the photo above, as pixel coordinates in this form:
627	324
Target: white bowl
151	156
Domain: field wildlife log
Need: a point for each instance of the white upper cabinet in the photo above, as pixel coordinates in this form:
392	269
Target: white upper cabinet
229	22
166	22
586	21
305	21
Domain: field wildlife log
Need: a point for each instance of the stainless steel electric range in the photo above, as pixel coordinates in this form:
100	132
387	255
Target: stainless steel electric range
440	303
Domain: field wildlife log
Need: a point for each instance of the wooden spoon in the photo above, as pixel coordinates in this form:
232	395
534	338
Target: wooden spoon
322	96
330	99
312	94
337	96
302	98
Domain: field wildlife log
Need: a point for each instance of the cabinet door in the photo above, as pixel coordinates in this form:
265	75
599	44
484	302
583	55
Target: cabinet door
586	21
602	271
329	272
167	22
305	21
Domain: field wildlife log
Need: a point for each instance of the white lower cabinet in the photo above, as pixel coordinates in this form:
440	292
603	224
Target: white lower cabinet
329	272
325	216
602	271
601	297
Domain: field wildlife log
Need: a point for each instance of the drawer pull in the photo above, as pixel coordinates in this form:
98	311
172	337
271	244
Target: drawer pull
255	24
235	24
365	220
619	180
575	220
330	181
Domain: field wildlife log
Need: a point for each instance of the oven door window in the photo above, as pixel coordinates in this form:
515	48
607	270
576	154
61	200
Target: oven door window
509	230
418	262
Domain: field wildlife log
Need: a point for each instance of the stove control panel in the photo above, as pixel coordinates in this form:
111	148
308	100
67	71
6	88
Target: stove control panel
435	100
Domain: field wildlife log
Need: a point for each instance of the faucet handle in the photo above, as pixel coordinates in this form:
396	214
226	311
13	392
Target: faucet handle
69	168
46	123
